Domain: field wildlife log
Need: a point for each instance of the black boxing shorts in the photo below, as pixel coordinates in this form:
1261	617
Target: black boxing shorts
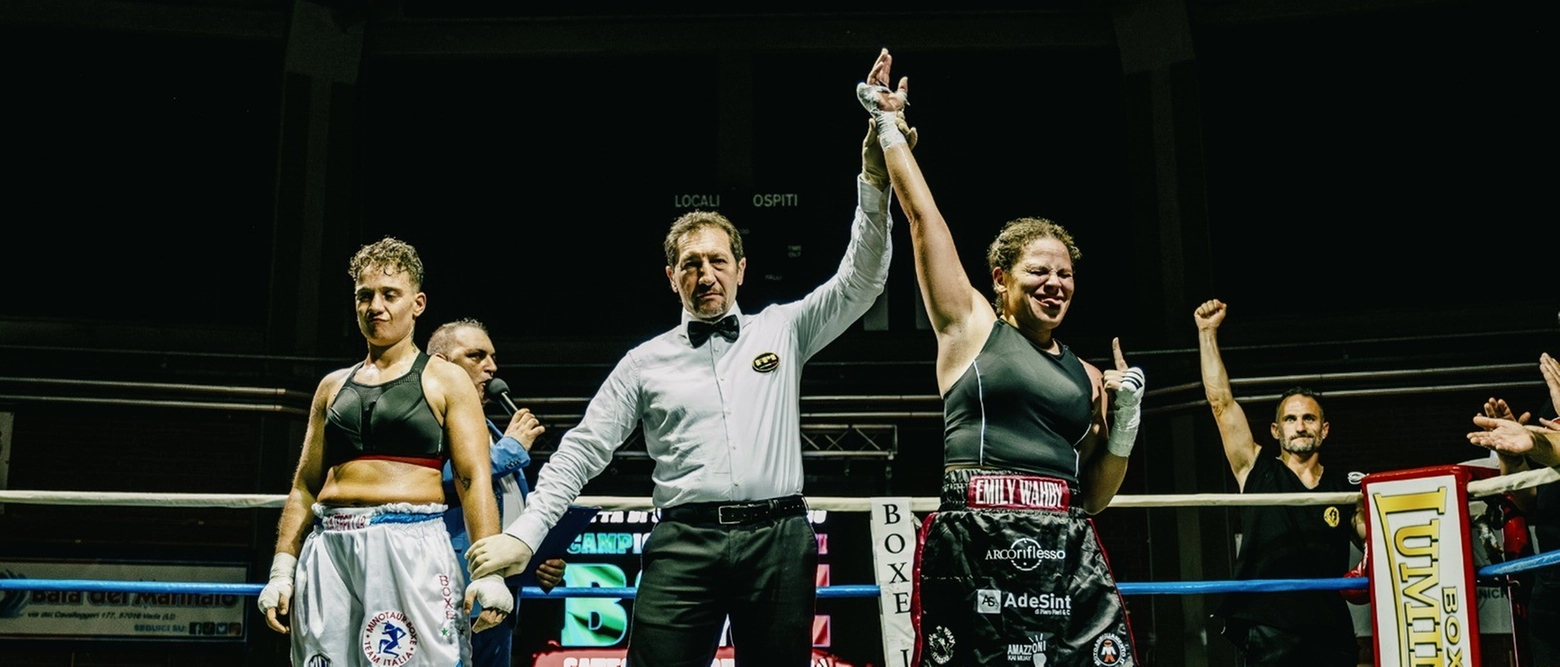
1009	573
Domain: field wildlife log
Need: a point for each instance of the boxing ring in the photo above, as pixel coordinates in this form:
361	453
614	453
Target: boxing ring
1476	483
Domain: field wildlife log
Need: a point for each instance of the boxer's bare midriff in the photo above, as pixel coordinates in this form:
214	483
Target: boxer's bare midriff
368	482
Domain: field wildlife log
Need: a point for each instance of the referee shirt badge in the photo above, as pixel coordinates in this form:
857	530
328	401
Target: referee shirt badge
766	362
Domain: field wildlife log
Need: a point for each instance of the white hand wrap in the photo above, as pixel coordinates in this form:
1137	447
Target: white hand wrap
887	125
280	585
492	593
1128	413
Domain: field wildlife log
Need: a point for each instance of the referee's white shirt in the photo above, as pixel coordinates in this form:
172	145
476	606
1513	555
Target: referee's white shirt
721	420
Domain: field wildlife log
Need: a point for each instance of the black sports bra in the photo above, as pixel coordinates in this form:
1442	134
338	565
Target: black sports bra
387	421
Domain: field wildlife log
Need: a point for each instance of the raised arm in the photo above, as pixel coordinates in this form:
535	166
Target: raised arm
958	312
829	309
1240	446
1102	469
275	598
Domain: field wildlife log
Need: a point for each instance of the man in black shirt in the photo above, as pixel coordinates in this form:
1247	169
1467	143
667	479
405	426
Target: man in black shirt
1299	628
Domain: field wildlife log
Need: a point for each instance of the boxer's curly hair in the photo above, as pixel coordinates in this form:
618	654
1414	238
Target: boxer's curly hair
390	255
1018	234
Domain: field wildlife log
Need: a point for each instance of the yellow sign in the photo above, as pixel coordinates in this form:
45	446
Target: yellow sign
1419	564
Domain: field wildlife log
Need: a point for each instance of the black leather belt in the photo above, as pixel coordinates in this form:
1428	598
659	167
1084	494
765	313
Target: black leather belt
735	513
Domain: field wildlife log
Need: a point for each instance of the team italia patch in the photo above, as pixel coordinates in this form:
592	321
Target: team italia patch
1331	517
766	362
1108	650
389	639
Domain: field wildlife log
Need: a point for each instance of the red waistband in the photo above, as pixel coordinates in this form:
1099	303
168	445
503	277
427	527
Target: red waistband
435	462
1024	492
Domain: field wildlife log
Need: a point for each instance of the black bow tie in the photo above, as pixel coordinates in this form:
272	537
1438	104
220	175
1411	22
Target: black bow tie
699	330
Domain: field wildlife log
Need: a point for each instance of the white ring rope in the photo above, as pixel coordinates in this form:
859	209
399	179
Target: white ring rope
1476	489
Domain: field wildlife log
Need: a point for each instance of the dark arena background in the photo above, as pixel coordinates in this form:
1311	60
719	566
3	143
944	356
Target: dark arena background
1360	180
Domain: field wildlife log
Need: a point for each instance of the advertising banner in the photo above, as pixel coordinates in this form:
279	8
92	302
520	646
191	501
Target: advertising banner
1422	580
119	615
893	556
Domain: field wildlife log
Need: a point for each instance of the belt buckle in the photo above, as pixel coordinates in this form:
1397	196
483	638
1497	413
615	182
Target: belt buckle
720	514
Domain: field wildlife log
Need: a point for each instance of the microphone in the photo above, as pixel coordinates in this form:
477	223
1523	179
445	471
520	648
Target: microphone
498	390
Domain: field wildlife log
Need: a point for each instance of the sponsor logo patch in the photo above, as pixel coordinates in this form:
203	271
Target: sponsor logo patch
766	362
939	645
995	601
317	660
1033	652
345	521
1108	650
389	639
1330	515
1025	554
988	601
1044	604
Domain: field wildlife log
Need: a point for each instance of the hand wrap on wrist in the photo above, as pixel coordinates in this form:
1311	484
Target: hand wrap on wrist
887	121
492	593
1127	414
280	585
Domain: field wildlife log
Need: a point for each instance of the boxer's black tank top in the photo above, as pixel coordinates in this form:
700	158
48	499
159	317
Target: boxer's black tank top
1019	408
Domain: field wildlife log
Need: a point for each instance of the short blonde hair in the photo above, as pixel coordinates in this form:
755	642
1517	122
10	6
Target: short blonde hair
391	255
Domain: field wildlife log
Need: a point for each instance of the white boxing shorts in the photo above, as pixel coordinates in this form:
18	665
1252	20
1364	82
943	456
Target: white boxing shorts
379	587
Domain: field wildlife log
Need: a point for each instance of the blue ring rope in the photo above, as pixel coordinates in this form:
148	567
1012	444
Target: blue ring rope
1515	566
824	592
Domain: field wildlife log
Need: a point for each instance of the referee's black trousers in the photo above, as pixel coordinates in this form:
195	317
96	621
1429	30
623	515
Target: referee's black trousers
693	575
